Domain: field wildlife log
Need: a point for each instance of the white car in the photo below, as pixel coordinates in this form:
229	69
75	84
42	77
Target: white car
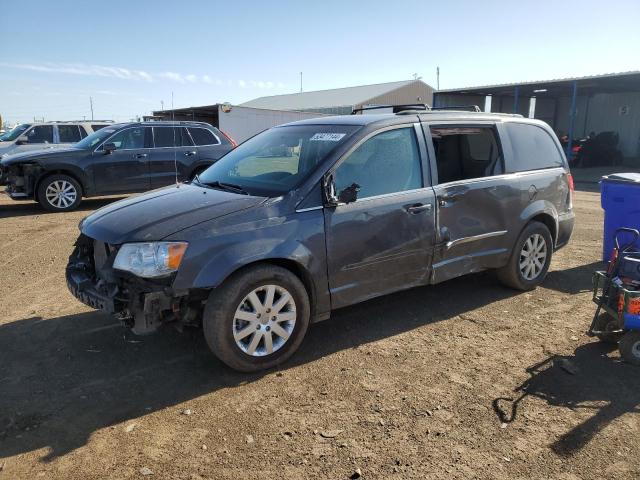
37	136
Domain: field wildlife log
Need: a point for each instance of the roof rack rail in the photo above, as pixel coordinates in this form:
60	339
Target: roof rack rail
77	121
462	108
396	108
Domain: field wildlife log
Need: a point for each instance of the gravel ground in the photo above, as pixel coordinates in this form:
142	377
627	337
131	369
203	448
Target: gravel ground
466	379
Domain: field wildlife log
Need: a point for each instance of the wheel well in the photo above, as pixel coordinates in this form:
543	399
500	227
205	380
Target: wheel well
295	268
548	221
201	167
56	172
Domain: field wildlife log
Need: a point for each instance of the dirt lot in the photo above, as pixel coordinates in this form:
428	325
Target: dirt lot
413	385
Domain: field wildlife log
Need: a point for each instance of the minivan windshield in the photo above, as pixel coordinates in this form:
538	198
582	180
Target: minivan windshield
95	138
14	133
277	160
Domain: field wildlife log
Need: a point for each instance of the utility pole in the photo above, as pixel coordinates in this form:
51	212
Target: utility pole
300	82
162	105
437	78
91	105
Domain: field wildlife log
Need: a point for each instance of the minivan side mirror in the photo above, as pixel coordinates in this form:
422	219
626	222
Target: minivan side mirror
346	195
22	139
109	147
349	194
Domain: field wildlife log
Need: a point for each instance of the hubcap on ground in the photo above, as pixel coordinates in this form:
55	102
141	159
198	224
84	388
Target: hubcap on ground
533	256
264	320
61	194
635	350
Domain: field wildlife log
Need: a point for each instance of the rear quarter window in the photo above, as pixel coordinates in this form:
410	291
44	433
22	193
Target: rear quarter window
533	148
203	136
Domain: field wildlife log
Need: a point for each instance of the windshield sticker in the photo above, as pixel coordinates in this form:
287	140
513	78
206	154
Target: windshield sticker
327	137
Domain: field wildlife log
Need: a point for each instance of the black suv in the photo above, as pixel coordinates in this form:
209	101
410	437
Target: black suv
120	158
316	215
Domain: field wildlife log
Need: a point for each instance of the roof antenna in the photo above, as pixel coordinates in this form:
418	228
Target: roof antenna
175	153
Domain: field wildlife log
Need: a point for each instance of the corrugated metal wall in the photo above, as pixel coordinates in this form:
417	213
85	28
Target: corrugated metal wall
413	93
451	100
598	113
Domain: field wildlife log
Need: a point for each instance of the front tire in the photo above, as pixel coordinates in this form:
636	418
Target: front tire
257	319
530	258
59	193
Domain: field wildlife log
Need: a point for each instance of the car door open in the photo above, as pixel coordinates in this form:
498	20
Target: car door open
380	223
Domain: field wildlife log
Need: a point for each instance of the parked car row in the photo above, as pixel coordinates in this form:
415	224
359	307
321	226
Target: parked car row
118	158
36	136
306	218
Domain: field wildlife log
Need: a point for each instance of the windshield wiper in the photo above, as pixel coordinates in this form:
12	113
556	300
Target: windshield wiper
230	187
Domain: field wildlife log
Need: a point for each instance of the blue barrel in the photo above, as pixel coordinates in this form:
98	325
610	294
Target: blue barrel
620	200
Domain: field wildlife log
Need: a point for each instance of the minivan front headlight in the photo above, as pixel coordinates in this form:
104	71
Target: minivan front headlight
149	260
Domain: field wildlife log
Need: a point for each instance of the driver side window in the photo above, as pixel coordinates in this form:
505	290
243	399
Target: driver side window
386	163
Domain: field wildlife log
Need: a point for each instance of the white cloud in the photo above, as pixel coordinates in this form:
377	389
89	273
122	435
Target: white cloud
137	75
83	69
176	77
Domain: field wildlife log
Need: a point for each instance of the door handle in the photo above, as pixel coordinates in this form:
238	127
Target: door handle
189	154
141	155
418	208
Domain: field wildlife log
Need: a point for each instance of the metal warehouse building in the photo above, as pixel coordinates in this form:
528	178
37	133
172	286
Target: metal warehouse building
572	106
341	101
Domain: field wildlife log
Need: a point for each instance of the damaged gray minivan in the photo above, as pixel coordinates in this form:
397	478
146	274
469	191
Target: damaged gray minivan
315	215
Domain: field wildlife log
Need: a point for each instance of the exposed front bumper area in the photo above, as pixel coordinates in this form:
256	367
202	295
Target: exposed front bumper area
20	180
141	304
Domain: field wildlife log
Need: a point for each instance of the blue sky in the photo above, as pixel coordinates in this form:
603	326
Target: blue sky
130	55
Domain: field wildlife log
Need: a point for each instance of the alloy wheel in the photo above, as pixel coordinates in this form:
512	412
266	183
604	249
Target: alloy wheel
533	256
61	194
264	320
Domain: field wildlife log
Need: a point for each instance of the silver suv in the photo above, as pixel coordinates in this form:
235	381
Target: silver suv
36	136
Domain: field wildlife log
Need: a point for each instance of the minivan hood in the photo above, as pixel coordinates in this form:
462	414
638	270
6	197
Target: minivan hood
41	155
160	213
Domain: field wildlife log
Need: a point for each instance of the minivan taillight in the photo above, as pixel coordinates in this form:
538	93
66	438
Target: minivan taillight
572	187
233	142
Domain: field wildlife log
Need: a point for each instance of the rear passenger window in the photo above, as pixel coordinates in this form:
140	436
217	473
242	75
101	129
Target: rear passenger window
464	153
533	148
69	133
170	137
185	138
41	134
386	163
97	127
202	136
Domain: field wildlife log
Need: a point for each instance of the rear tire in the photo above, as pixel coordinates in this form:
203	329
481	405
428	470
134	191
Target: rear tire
59	193
530	258
630	347
257	319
